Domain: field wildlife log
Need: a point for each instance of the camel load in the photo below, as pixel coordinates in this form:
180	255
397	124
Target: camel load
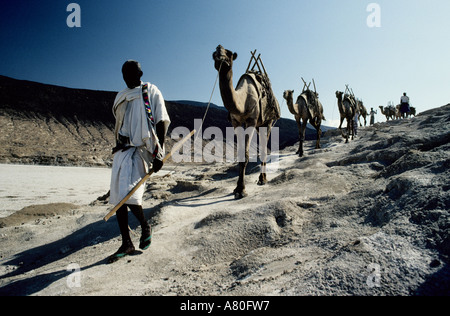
312	100
270	108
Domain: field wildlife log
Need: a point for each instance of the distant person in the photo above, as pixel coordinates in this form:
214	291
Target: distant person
141	125
355	122
372	116
404	105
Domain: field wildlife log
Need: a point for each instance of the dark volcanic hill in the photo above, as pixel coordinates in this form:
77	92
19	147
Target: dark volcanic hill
53	125
44	124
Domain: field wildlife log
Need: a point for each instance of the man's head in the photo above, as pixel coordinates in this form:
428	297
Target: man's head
132	73
404	94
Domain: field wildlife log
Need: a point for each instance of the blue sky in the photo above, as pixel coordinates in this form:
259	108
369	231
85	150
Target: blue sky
328	40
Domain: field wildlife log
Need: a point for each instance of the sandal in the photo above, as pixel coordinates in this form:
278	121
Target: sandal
146	239
124	250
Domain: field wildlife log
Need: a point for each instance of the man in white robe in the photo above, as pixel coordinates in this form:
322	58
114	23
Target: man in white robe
141	125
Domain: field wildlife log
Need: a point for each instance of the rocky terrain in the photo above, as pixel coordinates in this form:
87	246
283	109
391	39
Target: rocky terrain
366	218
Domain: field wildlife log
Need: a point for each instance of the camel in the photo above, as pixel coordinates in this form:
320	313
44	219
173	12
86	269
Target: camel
411	112
347	111
244	107
388	112
301	112
398	113
362	112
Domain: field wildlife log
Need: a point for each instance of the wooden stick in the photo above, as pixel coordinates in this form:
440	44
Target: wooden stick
167	157
304	85
251	59
262	65
257	64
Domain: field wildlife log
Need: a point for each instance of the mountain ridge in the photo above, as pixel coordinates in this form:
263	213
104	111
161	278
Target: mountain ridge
75	126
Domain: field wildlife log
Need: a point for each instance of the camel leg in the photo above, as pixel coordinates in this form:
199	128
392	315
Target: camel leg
319	132
240	192
342	120
348	131
316	124
302	137
352	128
342	133
264	134
299	125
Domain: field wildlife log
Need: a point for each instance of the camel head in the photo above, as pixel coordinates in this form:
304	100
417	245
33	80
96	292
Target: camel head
288	94
223	56
339	95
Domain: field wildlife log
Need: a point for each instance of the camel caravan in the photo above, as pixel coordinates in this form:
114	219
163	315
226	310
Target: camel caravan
393	112
252	106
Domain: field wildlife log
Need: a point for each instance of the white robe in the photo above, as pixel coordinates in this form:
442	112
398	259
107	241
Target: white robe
130	166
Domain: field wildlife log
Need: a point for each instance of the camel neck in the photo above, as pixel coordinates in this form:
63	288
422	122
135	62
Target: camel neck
340	105
229	95
290	104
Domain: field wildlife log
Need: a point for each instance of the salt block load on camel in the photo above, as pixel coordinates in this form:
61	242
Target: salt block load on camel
307	108
251	106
